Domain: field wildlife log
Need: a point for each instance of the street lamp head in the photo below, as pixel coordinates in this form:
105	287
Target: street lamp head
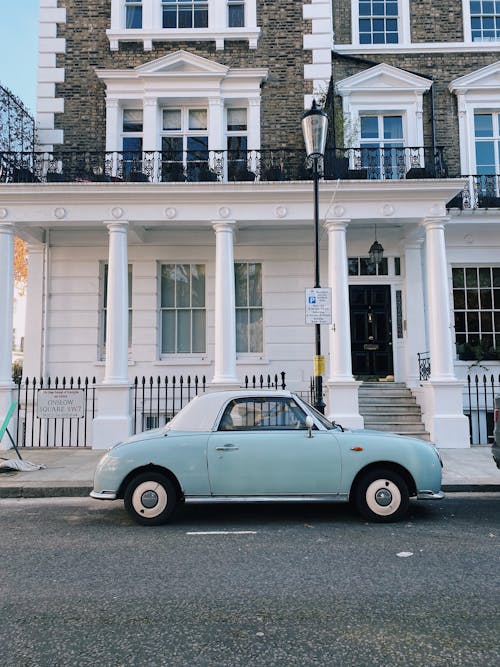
315	128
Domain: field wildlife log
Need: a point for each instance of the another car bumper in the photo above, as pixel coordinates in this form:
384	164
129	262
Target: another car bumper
103	495
430	495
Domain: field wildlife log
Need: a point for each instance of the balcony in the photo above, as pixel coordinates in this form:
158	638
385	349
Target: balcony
480	191
395	163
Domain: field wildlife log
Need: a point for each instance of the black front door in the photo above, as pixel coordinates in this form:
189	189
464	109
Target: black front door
371	330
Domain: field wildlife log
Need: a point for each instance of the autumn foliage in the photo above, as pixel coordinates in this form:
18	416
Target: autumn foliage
20	265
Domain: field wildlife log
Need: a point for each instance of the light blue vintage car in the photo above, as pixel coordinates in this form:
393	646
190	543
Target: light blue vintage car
265	446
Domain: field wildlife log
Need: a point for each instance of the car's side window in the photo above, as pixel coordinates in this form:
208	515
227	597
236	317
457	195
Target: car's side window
262	414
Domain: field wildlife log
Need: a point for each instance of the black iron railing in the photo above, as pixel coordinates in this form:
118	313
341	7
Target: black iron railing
480	191
156	400
219	166
479	405
36	428
424	365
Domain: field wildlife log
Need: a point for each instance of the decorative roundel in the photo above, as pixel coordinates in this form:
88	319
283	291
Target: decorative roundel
117	212
60	213
170	212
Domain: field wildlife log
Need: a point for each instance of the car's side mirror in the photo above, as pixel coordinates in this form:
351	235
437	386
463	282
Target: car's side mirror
309	426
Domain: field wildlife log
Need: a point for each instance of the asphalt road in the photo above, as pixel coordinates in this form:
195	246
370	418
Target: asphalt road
227	586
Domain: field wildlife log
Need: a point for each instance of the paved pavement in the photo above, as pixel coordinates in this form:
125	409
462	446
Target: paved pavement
69	472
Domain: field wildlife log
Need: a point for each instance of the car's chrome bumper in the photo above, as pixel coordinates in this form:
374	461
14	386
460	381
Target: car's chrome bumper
430	495
103	495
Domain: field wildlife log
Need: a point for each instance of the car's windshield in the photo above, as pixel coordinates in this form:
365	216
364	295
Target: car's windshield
317	415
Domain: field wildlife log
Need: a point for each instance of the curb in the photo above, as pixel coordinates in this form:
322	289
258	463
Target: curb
470	488
68	491
45	491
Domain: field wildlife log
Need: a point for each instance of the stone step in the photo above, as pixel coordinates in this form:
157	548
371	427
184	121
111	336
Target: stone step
397	427
384	412
385	394
393	403
392	419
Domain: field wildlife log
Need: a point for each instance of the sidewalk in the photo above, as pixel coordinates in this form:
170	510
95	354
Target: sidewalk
69	472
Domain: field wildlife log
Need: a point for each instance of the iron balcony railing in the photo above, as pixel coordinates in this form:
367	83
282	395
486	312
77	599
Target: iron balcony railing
219	166
480	191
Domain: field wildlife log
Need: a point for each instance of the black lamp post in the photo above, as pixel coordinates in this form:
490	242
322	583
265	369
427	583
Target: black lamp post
315	128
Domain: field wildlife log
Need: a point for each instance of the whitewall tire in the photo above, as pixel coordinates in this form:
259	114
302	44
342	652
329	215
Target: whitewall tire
382	496
150	498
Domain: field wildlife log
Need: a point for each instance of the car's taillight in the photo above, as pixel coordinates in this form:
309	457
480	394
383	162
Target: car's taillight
495	415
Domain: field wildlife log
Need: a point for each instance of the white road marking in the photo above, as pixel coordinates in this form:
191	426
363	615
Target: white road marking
222	532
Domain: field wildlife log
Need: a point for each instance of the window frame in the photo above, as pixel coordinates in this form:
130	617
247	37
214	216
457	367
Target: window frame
176	309
470	292
403	17
249	308
467	19
260	415
217	30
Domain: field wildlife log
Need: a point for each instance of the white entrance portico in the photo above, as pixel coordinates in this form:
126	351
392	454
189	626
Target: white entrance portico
151	225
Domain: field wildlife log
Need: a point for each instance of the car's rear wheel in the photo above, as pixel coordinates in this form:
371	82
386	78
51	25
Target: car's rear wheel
382	496
150	498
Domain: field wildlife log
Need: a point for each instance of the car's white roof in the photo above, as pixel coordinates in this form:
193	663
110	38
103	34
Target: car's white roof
201	412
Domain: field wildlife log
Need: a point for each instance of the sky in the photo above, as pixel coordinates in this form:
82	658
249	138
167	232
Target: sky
19	48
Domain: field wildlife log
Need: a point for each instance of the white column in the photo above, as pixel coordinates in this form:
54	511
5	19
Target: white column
225	316
343	403
114	421
443	403
6	316
414	330
6	301
440	343
116	370
35	305
113	125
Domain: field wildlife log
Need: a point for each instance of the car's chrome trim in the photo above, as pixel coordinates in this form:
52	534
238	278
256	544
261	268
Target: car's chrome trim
321	498
103	495
430	495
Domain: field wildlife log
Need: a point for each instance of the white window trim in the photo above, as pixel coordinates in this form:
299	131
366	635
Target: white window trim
384	89
204	83
476	92
151	30
467	28
404	34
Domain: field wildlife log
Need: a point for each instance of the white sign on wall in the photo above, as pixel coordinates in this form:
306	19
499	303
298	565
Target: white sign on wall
319	305
60	403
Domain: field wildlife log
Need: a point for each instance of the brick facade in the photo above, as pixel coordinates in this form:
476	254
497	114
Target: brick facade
280	49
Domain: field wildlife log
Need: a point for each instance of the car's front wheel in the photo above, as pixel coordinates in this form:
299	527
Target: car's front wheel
150	498
382	496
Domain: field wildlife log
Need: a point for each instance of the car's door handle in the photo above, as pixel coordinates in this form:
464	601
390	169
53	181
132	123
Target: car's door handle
227	448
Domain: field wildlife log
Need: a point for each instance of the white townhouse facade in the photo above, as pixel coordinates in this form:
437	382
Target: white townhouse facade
168	209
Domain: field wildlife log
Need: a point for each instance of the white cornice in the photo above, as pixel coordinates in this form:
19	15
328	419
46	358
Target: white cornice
427	47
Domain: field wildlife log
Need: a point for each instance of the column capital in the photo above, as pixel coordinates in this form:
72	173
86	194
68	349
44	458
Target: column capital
332	224
116	225
224	225
434	222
